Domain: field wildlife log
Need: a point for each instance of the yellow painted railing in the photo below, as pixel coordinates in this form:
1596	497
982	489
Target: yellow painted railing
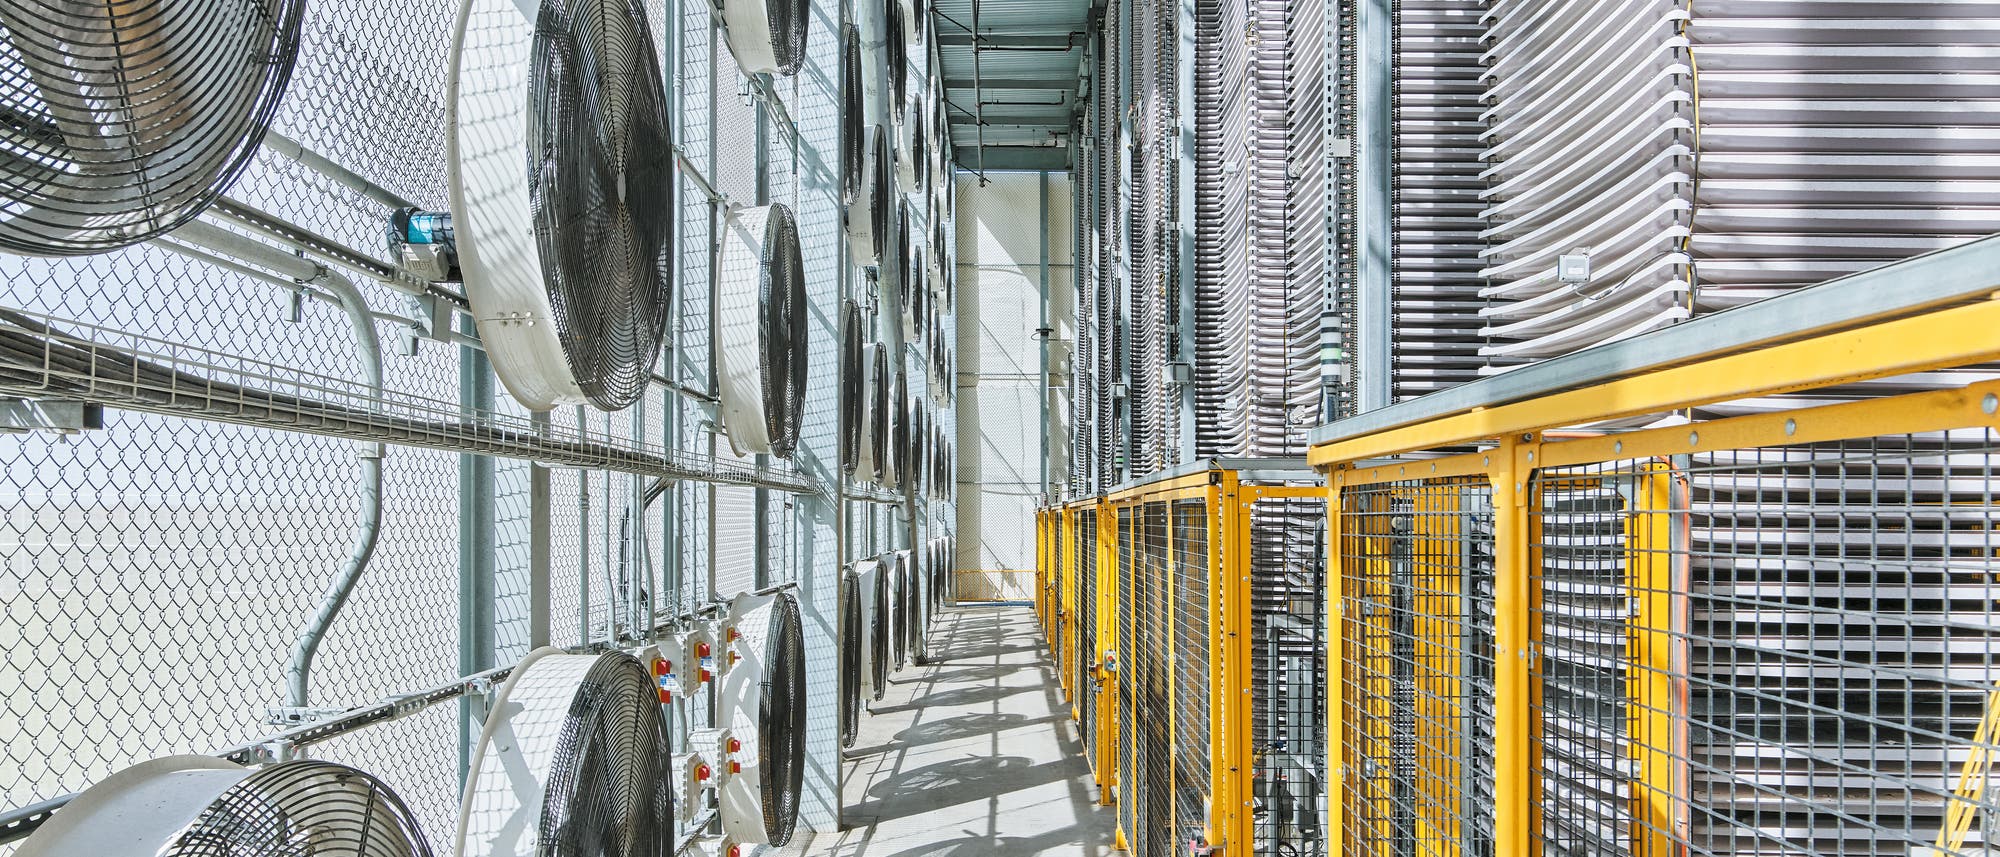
1745	604
1145	597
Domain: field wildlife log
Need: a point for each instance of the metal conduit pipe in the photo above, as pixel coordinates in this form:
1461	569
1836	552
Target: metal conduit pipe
368	521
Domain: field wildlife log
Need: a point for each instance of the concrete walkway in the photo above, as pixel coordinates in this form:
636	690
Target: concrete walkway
972	755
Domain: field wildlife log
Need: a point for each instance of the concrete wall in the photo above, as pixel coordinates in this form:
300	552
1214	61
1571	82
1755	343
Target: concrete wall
1014	247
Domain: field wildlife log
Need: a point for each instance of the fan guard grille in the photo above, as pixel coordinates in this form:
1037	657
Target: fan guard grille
600	182
303	809
878	633
852	124
850	659
782	713
126	120
610	789
853	387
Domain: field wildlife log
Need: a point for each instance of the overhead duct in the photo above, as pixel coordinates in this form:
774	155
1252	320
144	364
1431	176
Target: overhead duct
761	341
126	120
767	36
562	213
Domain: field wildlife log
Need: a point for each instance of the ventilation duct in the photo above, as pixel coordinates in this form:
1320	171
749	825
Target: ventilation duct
126	120
761	343
562	211
767	36
574	754
182	806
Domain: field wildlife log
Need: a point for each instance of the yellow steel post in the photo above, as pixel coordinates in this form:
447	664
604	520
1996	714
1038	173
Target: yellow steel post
1237	698
1336	673
1167	671
1219	683
1658	793
1513	780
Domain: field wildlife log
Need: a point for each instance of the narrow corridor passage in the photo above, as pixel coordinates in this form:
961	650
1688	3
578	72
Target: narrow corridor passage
972	755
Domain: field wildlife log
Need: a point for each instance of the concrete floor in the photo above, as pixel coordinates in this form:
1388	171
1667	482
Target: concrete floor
972	754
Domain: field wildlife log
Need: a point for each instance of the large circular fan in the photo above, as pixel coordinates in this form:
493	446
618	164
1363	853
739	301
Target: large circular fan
767	36
896	52
899	603
202	806
763	699
562	193
876	462
906	607
761	344
867	212
853	390
126	119
853	113
878	631
851	644
574	761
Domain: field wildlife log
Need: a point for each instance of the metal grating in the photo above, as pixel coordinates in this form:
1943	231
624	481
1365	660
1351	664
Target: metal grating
1416	636
1287	668
1190	679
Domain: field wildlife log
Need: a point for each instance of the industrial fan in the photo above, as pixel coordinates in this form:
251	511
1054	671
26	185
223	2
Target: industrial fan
900	439
762	698
867	211
906	608
892	575
851	652
896	54
920	564
767	36
853	112
196	806
853	390
761	342
874	460
562	195
574	760
906	284
125	120
874	577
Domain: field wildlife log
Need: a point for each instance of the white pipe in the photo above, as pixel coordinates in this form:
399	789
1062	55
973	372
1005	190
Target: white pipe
368	524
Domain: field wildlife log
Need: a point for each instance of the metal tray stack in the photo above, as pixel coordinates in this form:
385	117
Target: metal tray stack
1437	239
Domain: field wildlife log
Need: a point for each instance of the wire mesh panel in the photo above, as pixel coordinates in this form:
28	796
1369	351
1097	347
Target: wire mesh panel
1287	665
1581	600
1127	680
1841	637
1416	597
1192	662
1085	599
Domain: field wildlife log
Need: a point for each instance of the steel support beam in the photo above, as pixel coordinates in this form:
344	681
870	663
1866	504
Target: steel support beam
1374	308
